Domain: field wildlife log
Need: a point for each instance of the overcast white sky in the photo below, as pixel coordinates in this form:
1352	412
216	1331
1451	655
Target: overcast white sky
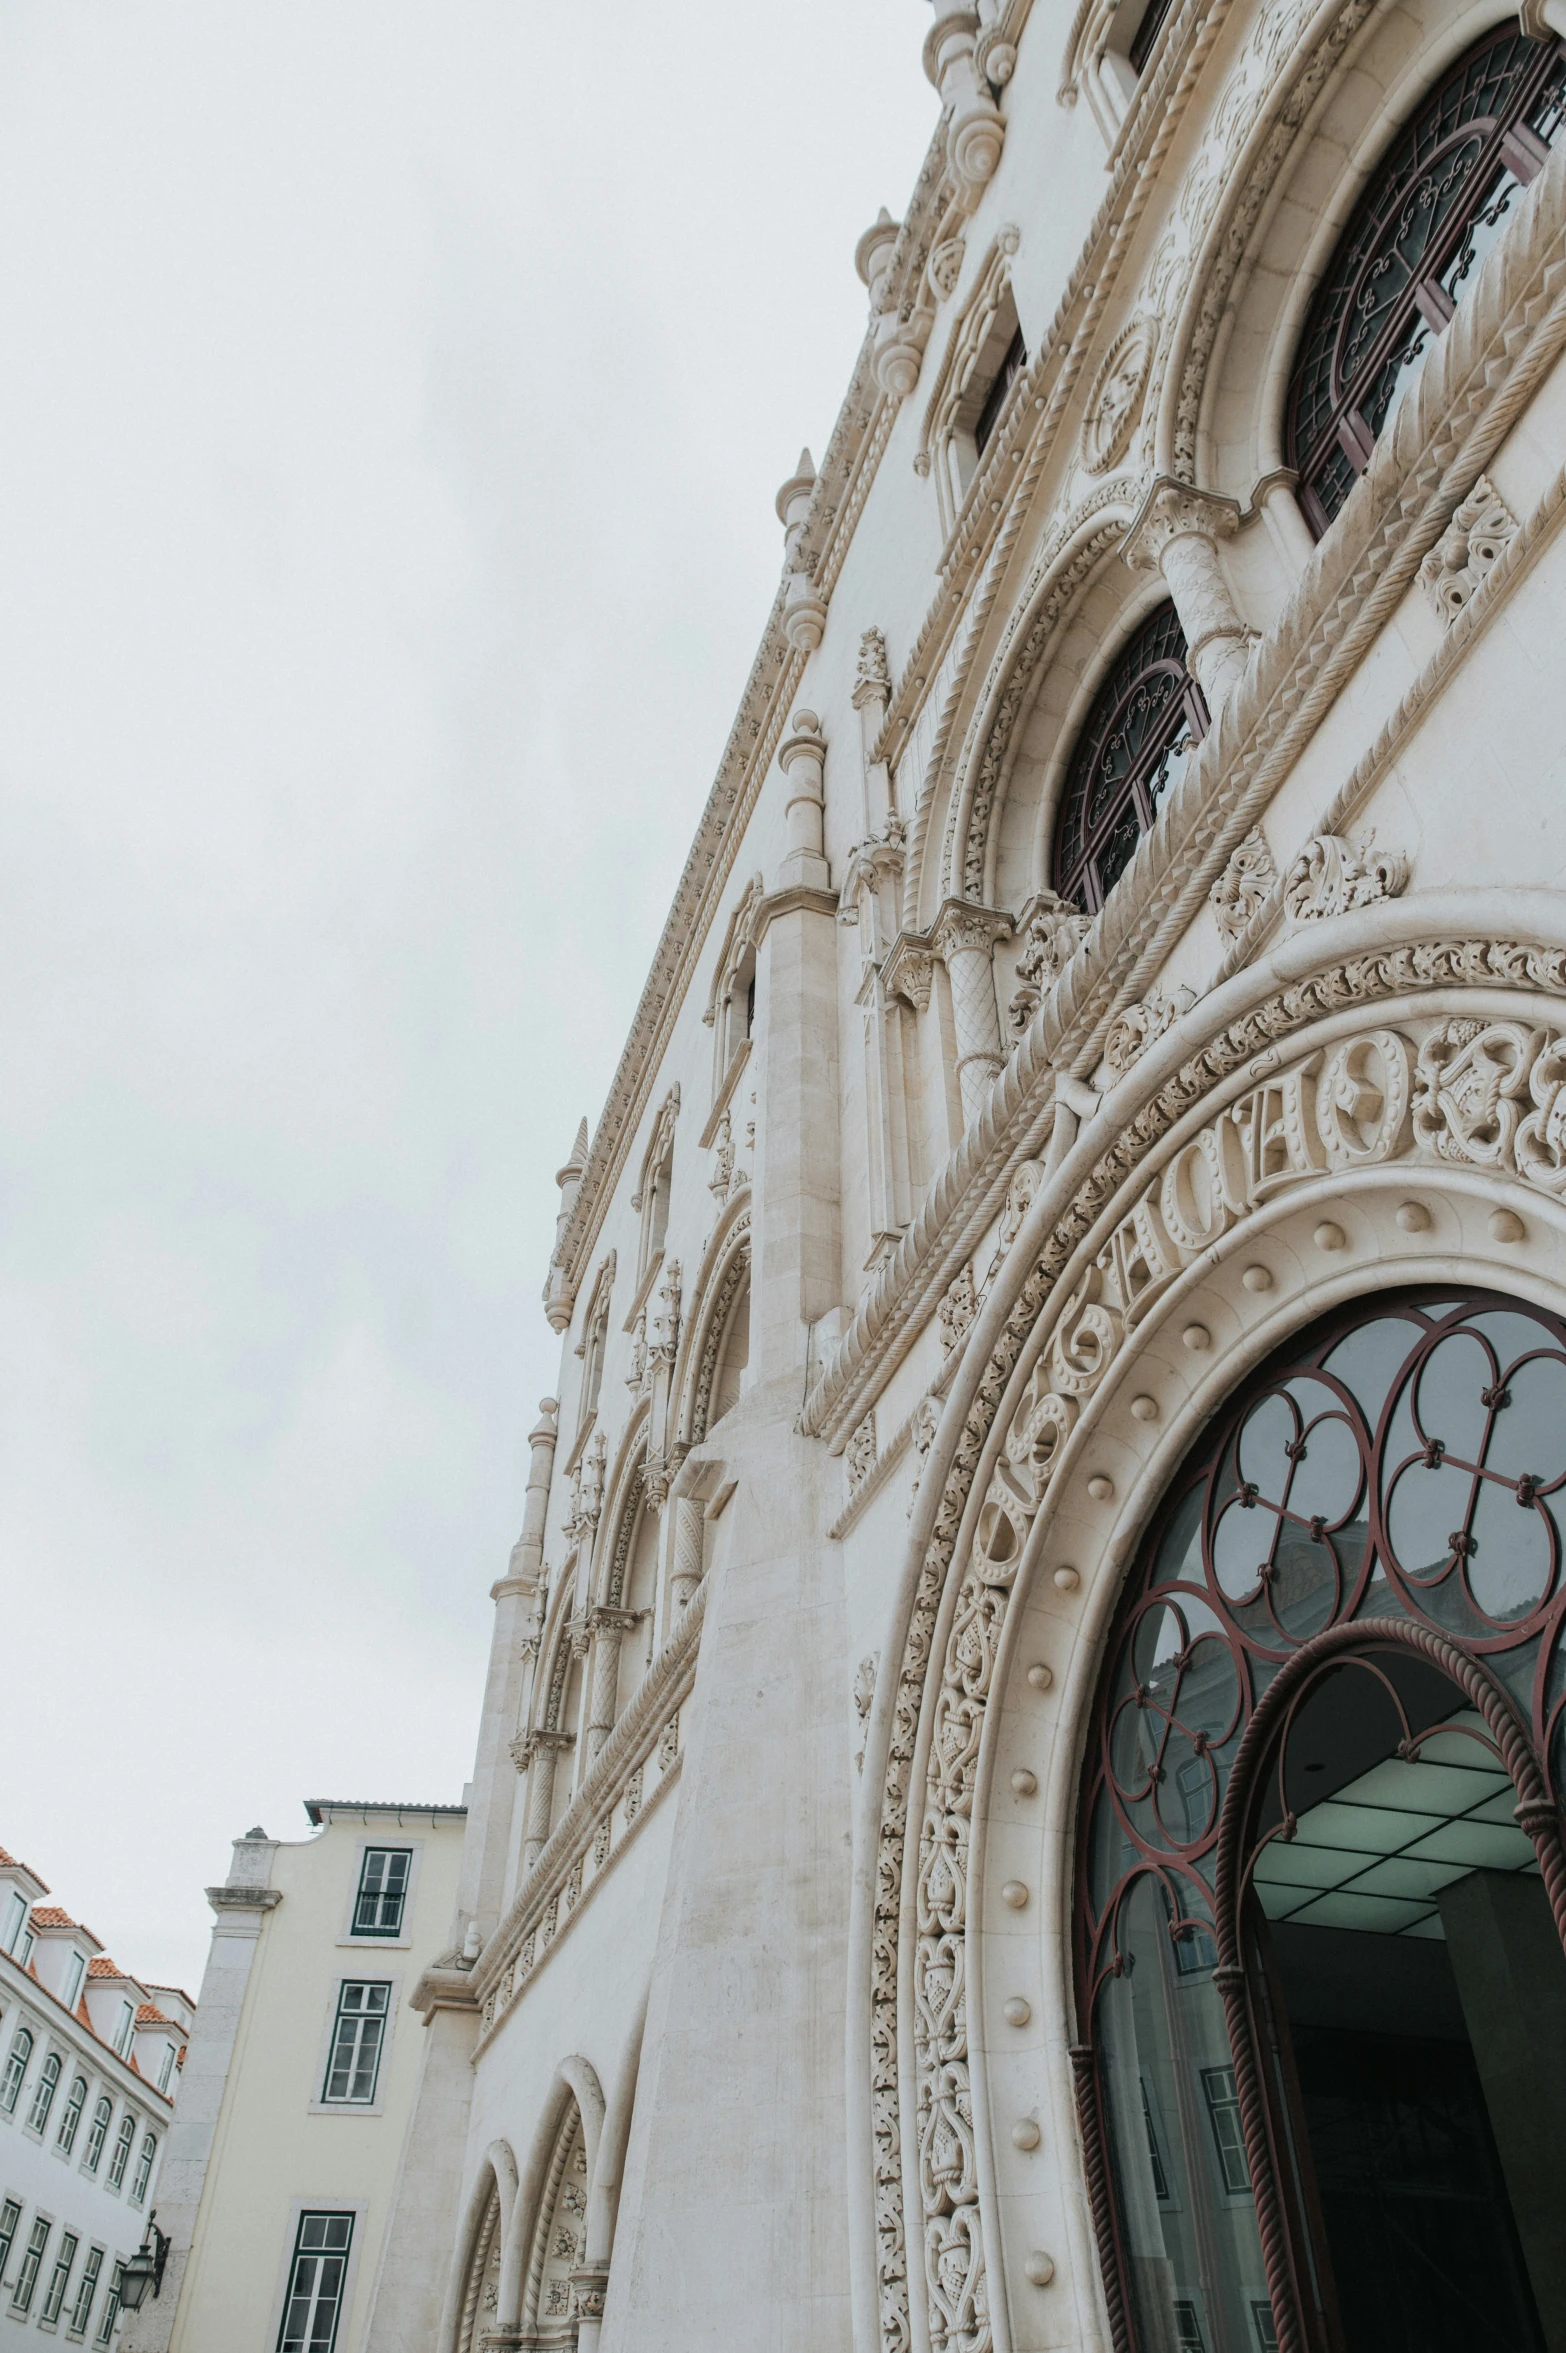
392	398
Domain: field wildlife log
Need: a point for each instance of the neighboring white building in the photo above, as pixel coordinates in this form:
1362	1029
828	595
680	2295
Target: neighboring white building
1048	1623
89	2059
300	2081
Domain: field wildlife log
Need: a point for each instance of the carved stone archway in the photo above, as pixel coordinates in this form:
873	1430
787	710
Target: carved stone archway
1295	1123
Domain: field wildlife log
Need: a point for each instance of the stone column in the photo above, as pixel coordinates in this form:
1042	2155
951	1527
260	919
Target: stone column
536	1756
241	1906
608	1628
964	938
796	1275
802	758
689	1533
589	2286
1511	1980
488	1841
872	694
1177	533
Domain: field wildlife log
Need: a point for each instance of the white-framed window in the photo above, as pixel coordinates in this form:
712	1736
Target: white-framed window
313	2305
86	2289
99	2133
383	1890
122	2150
32	2259
75	1971
10	2216
358	2032
43	2092
1223	2114
65	2138
111	2307
15	1914
166	2071
15	2069
143	2173
59	2279
126	2029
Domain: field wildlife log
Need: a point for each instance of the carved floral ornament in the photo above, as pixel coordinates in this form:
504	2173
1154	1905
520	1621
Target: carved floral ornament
1340	1077
1115	402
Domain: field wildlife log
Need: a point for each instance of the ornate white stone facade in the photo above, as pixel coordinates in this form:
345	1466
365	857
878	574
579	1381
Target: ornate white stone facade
929	1218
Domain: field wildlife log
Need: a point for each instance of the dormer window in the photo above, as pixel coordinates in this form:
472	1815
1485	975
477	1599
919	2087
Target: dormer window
166	2071
15	1914
126	2029
75	1971
1014	360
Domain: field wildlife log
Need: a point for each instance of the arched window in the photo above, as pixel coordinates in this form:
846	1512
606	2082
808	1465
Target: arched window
144	2163
1146	717
66	2137
1440	197
44	2090
15	2068
101	2116
1321	1895
122	2150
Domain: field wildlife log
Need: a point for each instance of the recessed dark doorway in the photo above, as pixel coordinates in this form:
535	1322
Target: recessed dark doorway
1321	1899
1407	1968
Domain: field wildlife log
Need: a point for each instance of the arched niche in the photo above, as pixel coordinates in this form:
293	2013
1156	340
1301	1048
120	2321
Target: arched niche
1138	1295
481	2298
558	2245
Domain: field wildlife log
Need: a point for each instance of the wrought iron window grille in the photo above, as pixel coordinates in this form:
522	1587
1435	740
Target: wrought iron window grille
1146	718
1436	203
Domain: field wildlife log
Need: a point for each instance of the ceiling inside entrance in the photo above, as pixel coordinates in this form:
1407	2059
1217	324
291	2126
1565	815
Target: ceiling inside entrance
1377	1853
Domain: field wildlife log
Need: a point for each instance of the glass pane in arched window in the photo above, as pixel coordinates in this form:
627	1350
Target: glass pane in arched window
1145	719
1377	1517
1436	203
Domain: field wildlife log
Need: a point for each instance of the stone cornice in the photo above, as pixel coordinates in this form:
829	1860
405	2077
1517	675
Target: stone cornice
244	1899
1482	370
443	1989
853	455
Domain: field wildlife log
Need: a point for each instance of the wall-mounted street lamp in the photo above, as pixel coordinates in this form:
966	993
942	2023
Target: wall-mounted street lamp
145	2268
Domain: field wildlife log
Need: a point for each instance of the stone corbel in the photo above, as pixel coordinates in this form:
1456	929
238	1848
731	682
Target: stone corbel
976	128
1540	18
964	937
1176	532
